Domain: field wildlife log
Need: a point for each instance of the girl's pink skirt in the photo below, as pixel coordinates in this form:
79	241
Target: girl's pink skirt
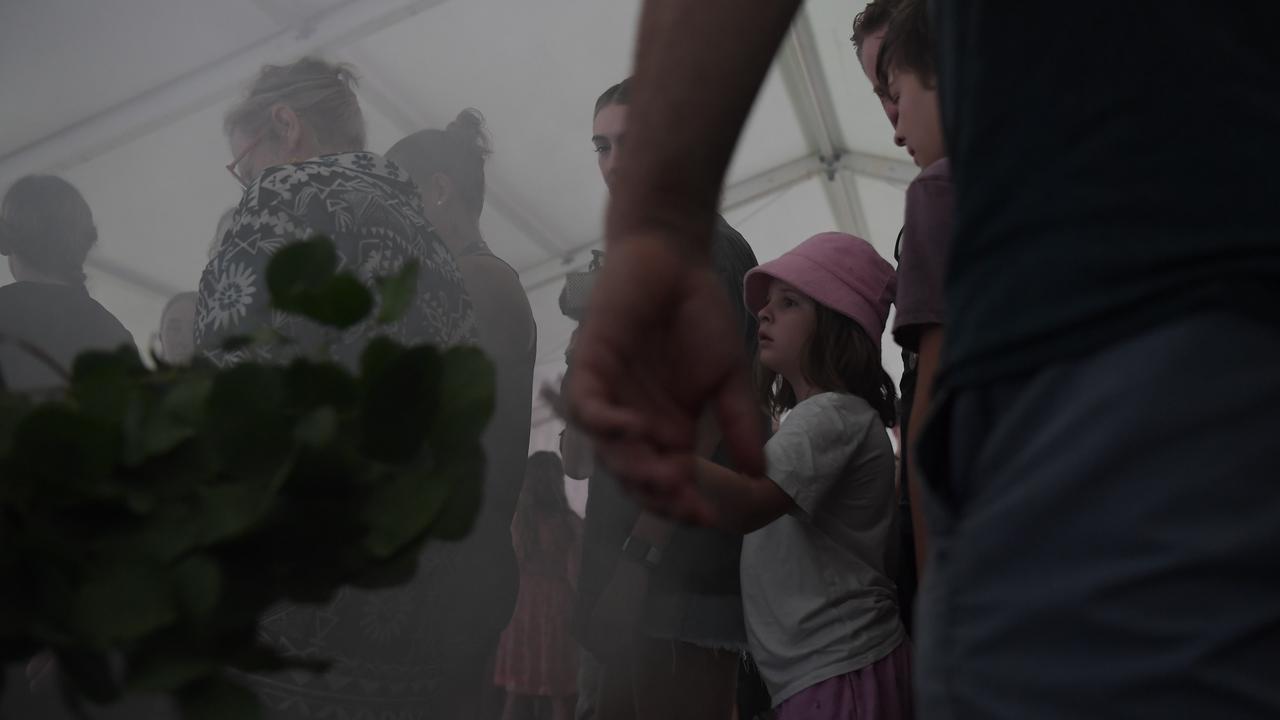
879	691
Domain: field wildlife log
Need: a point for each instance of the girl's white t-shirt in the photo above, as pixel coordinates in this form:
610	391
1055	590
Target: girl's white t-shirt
816	591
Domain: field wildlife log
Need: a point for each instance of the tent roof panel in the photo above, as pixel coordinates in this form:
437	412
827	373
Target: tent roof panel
62	61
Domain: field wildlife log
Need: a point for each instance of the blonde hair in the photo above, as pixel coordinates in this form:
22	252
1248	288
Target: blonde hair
321	93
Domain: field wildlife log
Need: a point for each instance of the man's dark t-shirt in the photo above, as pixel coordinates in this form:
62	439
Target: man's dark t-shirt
62	320
1114	167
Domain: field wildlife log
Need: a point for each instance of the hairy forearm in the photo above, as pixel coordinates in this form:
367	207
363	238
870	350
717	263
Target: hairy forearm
743	504
699	65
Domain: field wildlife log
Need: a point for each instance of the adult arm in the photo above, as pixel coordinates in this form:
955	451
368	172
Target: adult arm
660	343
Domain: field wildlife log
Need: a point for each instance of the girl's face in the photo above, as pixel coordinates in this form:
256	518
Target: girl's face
786	324
919	119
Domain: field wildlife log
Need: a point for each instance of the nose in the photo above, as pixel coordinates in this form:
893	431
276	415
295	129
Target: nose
891	109
607	168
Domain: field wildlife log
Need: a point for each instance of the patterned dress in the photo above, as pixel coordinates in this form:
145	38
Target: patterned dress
537	654
392	650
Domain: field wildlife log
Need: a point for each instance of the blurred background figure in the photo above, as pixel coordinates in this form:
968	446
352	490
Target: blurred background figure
537	657
177	329
297	143
298	148
46	231
448	168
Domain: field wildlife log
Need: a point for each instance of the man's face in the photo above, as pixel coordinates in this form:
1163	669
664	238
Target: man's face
607	134
867	58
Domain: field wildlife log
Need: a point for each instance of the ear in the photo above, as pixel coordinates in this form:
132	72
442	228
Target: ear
288	127
441	188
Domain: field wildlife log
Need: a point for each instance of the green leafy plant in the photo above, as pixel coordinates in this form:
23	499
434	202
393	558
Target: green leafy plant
148	517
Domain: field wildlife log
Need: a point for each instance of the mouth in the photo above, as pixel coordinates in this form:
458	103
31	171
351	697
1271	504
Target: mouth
763	338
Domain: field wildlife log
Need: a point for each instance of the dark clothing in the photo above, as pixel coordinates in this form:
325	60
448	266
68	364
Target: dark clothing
1103	534
907	578
509	337
922	254
1100	471
1112	172
694	595
61	320
926	241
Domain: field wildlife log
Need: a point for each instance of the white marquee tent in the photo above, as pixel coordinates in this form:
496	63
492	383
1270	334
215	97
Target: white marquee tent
125	99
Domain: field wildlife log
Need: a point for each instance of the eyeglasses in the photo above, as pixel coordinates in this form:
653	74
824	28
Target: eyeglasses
234	166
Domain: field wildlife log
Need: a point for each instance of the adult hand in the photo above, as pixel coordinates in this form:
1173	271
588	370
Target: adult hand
659	345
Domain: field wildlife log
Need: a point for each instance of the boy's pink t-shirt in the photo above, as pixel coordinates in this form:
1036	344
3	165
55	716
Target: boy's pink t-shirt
926	239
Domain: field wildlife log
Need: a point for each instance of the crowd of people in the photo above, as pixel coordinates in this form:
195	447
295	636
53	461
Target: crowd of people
1079	521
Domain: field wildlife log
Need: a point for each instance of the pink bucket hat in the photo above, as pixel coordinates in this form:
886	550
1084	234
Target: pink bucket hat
838	270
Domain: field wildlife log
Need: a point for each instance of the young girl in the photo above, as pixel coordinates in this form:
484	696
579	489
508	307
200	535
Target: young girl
821	610
537	659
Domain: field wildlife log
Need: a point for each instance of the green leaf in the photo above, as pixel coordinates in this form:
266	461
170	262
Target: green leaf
377	356
317	428
400	402
466	379
168	672
237	342
229	511
198	584
301	280
154	426
341	303
90	673
464	474
102	382
397	292
245	418
218	698
393	571
310	385
13	408
63	456
167	531
123	602
402	509
300	268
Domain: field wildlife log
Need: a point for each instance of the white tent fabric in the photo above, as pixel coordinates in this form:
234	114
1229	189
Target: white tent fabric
125	99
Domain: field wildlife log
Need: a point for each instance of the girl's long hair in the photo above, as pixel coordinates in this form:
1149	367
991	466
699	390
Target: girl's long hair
839	357
543	504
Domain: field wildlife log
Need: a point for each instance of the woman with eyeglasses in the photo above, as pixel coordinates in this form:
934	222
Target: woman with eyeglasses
298	146
298	143
46	315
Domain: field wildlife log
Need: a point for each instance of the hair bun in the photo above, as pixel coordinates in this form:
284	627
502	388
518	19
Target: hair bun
469	129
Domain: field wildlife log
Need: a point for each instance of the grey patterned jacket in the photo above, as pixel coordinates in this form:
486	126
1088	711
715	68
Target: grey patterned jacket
371	210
